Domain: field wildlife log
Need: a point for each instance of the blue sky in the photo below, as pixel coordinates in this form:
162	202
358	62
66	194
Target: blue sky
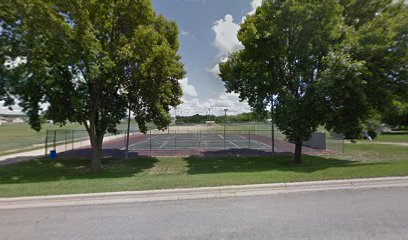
208	31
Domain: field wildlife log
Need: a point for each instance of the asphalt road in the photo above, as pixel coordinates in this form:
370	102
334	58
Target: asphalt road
347	214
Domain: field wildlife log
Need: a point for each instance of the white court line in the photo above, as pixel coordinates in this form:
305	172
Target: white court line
164	143
269	146
266	145
241	136
167	141
134	144
233	144
221	136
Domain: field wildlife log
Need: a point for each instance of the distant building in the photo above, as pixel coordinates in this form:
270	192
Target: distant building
10	117
384	128
3	120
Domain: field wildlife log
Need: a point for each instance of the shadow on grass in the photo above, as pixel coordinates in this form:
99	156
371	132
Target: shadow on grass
200	165
46	170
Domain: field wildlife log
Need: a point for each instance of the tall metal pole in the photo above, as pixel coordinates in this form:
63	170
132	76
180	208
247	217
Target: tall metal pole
127	135
273	126
225	123
175	116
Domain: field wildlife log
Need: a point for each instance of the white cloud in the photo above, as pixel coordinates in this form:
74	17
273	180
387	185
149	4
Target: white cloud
226	40
5	110
187	34
188	89
255	4
215	70
226	31
217	105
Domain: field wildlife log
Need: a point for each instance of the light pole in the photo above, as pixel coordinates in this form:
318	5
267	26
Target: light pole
225	123
127	135
273	126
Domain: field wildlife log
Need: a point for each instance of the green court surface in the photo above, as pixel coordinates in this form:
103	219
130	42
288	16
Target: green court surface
192	141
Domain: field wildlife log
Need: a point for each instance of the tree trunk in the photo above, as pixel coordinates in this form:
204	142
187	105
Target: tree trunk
298	151
96	144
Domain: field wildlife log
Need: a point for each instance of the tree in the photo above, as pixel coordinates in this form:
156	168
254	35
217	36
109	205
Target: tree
89	61
285	42
321	62
397	114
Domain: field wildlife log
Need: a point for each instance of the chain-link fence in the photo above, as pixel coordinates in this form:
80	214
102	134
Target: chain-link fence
69	140
255	138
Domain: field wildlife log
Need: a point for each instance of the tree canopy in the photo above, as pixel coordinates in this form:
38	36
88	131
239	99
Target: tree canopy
89	61
330	63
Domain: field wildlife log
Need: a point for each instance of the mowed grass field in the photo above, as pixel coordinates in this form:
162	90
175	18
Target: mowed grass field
69	176
21	137
397	136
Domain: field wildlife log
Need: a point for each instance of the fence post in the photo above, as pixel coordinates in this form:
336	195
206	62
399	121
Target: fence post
150	141
46	143
249	139
65	143
55	140
175	139
199	140
72	140
224	138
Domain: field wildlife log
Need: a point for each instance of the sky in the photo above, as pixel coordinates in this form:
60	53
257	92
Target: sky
208	30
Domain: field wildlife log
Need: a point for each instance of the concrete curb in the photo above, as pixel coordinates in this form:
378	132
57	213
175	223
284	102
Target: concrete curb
200	193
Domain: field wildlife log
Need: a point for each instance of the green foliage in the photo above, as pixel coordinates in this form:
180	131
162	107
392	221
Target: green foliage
285	43
397	114
89	61
331	63
242	117
344	95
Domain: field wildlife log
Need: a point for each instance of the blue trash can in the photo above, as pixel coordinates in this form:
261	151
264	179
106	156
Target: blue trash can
53	154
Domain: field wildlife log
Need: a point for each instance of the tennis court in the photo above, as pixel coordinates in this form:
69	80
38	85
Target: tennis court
184	143
199	140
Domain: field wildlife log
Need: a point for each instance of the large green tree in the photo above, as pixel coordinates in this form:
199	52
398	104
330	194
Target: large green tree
89	61
328	62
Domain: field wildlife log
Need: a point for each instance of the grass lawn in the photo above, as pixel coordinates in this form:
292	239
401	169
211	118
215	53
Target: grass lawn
20	137
67	176
401	136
